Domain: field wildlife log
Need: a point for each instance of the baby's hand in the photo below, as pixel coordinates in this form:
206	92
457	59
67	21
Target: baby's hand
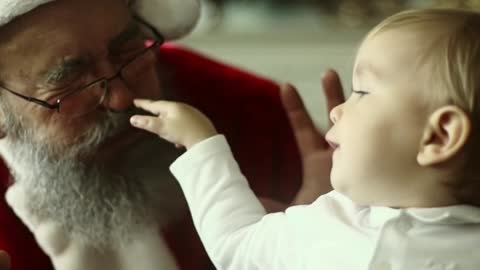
177	123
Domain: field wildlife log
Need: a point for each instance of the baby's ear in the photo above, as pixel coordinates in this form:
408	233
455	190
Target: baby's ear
445	134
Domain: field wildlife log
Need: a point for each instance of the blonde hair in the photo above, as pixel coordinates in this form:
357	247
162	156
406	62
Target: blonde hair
452	58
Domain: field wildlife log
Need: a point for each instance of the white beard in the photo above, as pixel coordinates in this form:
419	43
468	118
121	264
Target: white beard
98	206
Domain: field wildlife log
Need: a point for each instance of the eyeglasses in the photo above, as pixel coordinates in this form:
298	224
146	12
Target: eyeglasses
87	98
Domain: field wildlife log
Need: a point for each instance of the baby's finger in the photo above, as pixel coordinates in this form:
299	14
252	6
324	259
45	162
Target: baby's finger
149	123
156	107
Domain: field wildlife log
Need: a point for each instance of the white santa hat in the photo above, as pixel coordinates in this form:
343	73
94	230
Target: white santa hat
172	18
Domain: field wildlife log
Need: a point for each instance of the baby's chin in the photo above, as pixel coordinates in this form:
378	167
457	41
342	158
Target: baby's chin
347	189
337	180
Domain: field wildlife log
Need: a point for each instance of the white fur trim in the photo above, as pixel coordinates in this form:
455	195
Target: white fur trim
172	18
10	9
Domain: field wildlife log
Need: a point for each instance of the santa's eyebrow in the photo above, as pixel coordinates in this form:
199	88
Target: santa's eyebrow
62	71
67	67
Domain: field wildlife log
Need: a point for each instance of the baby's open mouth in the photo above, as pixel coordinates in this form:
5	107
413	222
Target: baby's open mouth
333	145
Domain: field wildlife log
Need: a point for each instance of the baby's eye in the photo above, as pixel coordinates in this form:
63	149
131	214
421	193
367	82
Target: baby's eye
360	92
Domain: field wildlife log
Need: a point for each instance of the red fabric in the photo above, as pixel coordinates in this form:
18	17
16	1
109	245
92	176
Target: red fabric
248	110
244	107
15	238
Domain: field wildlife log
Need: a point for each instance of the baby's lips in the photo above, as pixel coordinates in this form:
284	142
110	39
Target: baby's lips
334	145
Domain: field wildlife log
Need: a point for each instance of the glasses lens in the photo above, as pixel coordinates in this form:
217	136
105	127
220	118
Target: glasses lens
140	67
84	100
87	99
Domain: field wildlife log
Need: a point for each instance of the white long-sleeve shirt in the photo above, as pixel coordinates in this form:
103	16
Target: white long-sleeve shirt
331	234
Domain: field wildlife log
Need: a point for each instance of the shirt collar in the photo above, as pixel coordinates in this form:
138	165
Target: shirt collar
376	216
450	215
456	214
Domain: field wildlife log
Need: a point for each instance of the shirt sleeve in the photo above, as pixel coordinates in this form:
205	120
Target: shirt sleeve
233	225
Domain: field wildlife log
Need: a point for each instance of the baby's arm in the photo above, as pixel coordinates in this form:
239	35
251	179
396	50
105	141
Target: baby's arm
233	226
230	220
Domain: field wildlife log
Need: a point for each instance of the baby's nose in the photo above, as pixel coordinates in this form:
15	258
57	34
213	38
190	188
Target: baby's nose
336	113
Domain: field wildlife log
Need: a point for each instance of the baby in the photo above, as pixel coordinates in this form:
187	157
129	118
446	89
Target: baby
406	187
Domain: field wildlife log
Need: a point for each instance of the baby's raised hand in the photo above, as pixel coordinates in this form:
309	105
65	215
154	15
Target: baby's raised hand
175	122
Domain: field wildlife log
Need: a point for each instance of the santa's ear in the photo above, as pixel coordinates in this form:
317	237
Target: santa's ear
445	134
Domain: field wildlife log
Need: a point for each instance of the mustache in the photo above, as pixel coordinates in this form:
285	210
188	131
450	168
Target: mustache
83	147
108	126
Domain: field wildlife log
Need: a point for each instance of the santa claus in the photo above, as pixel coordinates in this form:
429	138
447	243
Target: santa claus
83	190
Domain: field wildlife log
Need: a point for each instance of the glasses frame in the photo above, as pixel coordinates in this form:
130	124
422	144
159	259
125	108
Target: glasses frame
157	41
